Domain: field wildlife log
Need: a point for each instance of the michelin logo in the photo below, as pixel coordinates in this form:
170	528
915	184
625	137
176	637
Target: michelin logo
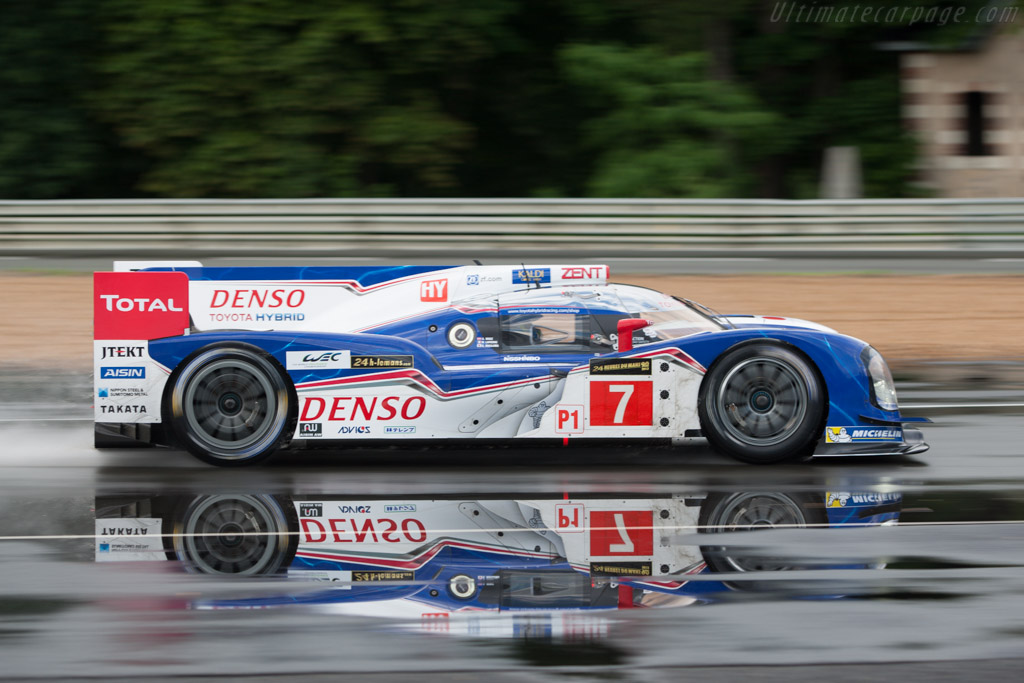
862	434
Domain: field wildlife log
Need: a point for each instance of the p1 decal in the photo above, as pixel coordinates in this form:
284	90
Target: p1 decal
568	419
621	533
139	305
434	290
616	404
569	517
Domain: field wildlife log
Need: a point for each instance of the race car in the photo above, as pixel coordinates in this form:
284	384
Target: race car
237	364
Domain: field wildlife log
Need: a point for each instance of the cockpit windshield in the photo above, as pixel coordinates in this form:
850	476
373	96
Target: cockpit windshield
670	317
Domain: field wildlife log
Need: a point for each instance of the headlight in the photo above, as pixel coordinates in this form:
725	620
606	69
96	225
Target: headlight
883	390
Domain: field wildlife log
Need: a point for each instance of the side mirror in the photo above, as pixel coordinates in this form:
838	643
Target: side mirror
625	329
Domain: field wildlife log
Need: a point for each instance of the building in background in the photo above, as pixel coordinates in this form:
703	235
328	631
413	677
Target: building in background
966	107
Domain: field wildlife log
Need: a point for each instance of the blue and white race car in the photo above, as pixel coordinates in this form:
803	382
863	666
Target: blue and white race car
236	364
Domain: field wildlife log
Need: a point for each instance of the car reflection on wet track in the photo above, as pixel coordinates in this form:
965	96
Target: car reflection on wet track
550	567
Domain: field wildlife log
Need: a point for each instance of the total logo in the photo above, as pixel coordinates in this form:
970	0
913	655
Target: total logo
120	303
140	305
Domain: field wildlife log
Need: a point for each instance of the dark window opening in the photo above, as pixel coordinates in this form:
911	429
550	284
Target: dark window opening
974	102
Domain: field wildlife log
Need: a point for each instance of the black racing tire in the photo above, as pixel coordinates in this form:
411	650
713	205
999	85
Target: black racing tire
233	534
231	405
752	511
763	403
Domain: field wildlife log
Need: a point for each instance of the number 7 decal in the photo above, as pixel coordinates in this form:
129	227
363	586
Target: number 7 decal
617	404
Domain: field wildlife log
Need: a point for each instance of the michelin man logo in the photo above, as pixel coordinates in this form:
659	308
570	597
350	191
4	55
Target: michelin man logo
837	435
836	499
537	412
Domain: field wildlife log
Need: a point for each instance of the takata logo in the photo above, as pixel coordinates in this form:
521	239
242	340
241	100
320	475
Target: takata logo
434	290
140	305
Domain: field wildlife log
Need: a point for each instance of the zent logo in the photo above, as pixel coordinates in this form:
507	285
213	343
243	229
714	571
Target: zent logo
615	404
434	290
578	273
140	305
629	532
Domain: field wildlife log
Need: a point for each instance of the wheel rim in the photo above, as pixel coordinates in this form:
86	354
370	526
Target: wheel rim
761	401
755	512
230	535
230	405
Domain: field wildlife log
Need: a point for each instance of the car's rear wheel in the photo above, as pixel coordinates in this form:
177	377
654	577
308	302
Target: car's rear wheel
233	534
762	403
232	406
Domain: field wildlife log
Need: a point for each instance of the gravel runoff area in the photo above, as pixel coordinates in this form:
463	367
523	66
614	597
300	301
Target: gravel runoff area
46	320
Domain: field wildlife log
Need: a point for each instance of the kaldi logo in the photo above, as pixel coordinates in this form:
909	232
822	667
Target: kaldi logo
139	305
257	298
352	408
434	290
580	273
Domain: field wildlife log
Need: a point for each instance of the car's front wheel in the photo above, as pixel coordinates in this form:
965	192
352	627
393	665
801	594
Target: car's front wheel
231	406
762	403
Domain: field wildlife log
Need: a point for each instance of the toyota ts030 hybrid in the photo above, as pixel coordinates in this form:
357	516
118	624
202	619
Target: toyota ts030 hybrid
235	364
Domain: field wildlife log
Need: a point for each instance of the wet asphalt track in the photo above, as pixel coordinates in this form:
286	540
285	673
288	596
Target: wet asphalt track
939	597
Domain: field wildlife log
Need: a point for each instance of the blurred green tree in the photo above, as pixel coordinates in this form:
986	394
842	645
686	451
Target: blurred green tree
276	98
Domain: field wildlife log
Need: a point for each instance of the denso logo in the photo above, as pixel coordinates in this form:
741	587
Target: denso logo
434	290
579	273
120	303
123	373
376	408
348	530
257	298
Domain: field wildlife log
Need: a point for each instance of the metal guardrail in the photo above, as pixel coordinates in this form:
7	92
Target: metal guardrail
509	226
